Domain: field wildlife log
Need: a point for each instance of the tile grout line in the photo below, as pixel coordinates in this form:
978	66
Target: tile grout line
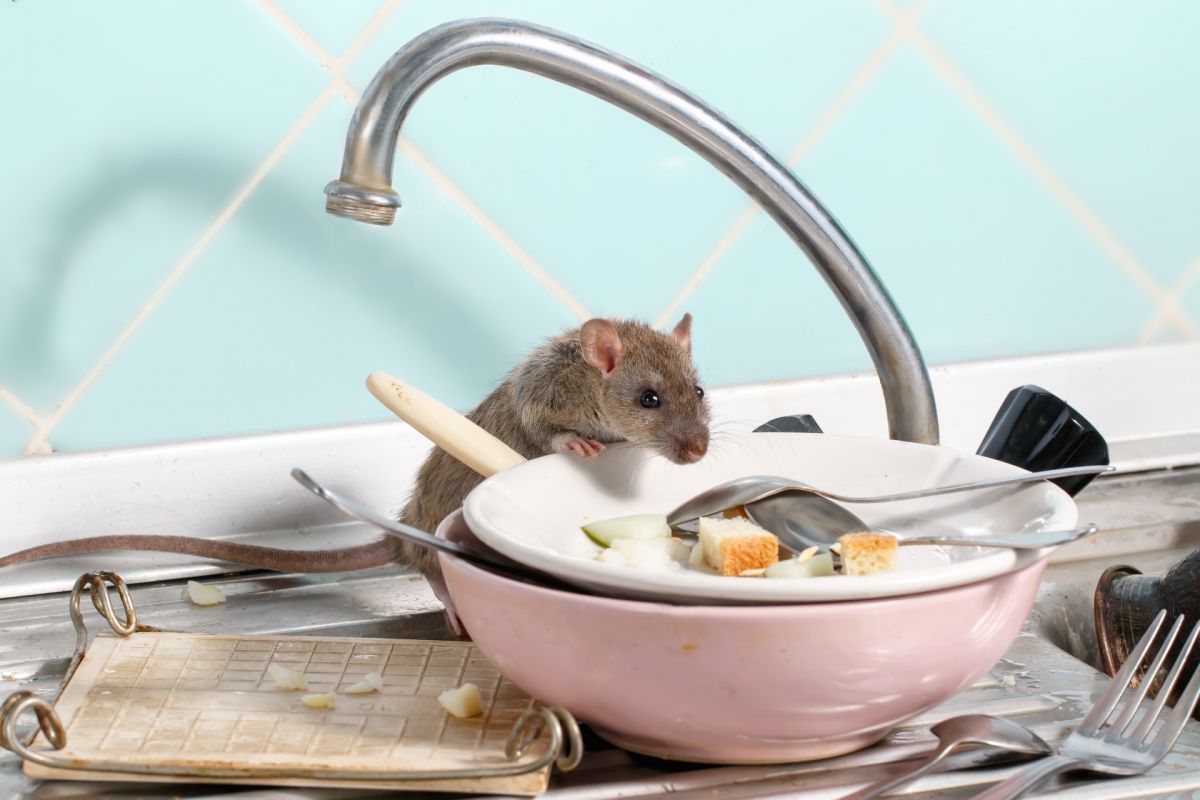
23	409
735	232
1191	275
366	34
1067	198
870	69
493	229
442	181
859	81
324	58
39	442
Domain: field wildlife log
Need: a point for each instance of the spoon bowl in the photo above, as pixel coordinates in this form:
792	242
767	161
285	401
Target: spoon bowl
803	516
802	520
1006	741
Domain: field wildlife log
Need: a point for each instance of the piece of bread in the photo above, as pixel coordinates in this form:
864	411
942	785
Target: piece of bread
868	552
732	546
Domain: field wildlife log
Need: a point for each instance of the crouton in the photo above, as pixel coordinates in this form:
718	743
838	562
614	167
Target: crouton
732	546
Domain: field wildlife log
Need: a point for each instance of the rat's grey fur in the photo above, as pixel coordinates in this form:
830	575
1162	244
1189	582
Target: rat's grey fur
556	391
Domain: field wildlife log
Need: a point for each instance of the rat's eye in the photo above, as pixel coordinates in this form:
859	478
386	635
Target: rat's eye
649	399
699	392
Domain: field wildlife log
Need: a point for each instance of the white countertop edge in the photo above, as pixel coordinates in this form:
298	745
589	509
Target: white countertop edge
1145	400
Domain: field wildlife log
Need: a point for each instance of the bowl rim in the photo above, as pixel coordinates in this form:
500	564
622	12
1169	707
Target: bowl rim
646	606
583	572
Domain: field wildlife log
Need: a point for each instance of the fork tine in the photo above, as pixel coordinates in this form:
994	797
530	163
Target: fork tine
1125	719
1112	695
1166	737
1143	729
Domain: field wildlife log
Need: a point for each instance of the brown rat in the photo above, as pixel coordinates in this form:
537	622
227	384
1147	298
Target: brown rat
606	381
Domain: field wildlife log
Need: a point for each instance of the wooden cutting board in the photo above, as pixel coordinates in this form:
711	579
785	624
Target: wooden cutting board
196	702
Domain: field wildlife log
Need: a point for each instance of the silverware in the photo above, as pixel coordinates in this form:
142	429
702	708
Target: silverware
810	516
475	555
1125	601
1119	743
1034	540
790	539
1006	740
807	523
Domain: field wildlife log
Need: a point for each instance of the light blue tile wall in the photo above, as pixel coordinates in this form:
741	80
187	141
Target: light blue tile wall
1021	175
14	432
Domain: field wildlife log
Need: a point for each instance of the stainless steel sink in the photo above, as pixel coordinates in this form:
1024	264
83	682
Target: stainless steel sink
1046	679
1149	521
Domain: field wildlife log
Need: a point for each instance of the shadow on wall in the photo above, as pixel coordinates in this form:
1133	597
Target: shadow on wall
389	277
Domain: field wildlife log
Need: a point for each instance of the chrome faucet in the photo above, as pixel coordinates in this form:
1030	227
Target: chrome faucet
365	192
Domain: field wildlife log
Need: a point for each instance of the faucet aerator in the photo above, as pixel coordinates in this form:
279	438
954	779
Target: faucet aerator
359	211
377	207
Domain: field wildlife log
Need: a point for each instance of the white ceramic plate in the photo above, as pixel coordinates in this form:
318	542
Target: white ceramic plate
532	513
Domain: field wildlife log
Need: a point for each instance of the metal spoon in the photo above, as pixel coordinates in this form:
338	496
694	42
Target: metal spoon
1007	741
794	532
812	513
802	520
751	489
475	555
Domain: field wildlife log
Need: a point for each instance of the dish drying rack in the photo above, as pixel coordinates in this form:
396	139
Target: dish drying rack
143	704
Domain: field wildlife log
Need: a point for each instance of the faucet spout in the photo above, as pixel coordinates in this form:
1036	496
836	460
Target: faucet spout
364	191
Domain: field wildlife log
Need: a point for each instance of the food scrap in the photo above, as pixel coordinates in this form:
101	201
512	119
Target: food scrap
735	546
465	701
868	552
371	682
656	554
287	680
638	527
319	700
732	546
815	566
203	595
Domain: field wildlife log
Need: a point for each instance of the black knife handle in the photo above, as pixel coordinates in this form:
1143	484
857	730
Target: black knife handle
796	423
1036	430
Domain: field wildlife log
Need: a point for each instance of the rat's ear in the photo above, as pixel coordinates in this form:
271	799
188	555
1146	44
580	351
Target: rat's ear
683	332
602	346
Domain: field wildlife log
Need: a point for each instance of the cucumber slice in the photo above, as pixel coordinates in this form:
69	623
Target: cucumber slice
642	527
815	567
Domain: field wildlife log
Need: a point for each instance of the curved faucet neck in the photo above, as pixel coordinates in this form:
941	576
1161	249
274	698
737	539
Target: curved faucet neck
365	193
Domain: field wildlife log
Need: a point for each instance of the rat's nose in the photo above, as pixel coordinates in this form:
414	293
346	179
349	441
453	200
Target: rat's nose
691	447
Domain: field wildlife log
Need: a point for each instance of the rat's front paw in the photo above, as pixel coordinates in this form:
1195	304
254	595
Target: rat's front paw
572	443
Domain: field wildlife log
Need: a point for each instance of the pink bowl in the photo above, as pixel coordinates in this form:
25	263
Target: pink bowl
738	684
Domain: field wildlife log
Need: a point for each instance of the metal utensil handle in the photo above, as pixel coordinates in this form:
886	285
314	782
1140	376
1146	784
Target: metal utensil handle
356	511
442	425
352	509
1021	541
1030	477
887	784
1026	779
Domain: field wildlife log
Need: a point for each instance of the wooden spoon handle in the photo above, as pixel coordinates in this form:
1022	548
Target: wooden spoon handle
444	426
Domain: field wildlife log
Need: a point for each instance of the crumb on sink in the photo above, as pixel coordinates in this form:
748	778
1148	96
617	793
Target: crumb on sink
204	595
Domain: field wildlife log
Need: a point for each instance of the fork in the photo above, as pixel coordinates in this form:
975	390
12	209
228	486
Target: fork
1112	742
